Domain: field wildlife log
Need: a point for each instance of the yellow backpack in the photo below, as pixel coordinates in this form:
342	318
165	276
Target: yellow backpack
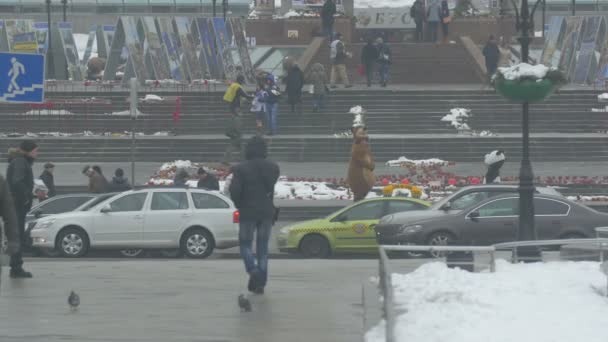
231	92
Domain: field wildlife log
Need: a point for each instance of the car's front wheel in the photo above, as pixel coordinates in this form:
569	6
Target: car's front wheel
72	243
440	239
315	246
197	243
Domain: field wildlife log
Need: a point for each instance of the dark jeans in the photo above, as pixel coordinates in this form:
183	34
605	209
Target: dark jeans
369	73
433	27
328	30
419	31
16	262
272	110
491	70
262	230
383	71
445	30
318	101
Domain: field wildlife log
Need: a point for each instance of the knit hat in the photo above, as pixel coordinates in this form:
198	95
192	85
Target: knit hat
28	146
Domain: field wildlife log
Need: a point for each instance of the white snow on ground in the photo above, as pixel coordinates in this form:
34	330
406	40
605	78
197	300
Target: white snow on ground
150	98
458	118
603	96
524	70
404	161
48	112
291	14
538	302
126	113
383	3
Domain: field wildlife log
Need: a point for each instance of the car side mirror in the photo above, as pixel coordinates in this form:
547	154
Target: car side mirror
37	213
106	209
447	206
474	216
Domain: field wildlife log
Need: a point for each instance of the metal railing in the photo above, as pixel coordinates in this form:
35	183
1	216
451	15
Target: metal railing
385	273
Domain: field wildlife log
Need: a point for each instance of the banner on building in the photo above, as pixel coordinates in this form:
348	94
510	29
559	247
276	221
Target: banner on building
223	42
126	57
70	52
552	50
171	47
19	36
240	41
384	18
42	35
191	65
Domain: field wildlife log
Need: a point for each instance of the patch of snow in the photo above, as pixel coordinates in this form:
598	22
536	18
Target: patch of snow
180	164
161	134
126	113
357	110
458	118
524	70
295	14
383	3
603	96
152	98
404	161
48	112
598	110
519	302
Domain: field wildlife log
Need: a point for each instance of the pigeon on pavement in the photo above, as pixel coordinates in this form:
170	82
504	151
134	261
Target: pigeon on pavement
74	301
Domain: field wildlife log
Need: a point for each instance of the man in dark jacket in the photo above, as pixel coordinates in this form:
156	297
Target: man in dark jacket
369	55
252	191
338	55
417	13
207	181
119	182
7	211
48	179
492	55
20	178
294	84
327	18
385	57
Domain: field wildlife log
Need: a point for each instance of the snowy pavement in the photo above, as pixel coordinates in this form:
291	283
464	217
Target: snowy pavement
539	302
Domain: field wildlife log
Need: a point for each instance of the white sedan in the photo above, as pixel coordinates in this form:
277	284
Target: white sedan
191	220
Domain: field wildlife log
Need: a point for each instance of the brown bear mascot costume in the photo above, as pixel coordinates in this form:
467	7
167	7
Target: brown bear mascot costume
361	177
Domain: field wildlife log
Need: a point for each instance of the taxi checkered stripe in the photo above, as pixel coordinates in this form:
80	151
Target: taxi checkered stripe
318	230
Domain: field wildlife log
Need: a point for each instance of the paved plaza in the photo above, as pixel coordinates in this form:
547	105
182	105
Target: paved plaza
184	300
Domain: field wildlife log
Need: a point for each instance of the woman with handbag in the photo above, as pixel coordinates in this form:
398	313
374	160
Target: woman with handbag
318	86
446	19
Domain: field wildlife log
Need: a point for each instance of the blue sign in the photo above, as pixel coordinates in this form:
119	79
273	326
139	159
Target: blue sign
21	77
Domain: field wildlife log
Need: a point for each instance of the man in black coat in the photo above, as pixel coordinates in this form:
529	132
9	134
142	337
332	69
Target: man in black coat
295	83
20	178
7	212
48	179
207	181
369	56
417	13
327	18
252	191
492	55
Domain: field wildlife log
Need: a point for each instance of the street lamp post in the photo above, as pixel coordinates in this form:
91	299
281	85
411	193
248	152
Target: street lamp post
214	4
526	229
225	8
64	4
49	50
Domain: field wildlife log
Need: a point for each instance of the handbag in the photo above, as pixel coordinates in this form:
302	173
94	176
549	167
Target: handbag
447	19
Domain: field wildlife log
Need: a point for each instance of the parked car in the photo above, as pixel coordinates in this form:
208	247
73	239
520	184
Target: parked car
491	221
350	229
194	221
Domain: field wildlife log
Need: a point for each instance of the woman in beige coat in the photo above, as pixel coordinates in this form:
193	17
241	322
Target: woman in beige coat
505	54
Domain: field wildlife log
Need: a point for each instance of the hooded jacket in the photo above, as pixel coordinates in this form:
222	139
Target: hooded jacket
120	184
295	82
208	183
98	184
252	185
20	178
7	211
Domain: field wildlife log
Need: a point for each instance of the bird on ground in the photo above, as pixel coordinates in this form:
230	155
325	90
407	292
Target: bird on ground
74	301
244	303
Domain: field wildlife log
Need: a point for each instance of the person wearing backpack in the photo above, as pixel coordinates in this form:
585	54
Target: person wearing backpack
417	13
234	94
384	60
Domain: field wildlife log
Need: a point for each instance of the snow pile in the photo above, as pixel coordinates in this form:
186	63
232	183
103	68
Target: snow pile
151	98
458	118
540	302
357	110
294	14
180	164
483	134
603	97
126	113
524	70
48	112
383	3
345	134
404	161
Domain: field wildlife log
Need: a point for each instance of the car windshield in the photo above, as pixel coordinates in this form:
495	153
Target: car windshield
95	201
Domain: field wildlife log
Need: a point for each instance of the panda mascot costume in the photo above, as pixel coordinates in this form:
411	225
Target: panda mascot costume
494	161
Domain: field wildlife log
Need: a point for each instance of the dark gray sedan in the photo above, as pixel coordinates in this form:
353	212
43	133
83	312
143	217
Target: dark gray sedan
491	221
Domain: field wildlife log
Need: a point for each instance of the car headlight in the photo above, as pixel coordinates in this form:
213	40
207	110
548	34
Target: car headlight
45	224
284	230
410	229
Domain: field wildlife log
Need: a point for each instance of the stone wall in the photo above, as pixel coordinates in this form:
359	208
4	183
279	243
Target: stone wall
275	31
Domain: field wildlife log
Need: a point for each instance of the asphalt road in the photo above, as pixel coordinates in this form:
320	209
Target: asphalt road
185	300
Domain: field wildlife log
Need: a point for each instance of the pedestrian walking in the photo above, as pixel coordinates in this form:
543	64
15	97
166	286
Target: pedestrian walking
11	226
417	14
328	11
207	181
48	179
318	82
385	57
446	19
505	54
98	184
271	102
492	55
338	55
369	56
119	182
181	178
20	179
234	95
259	109
252	191
433	17
293	88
